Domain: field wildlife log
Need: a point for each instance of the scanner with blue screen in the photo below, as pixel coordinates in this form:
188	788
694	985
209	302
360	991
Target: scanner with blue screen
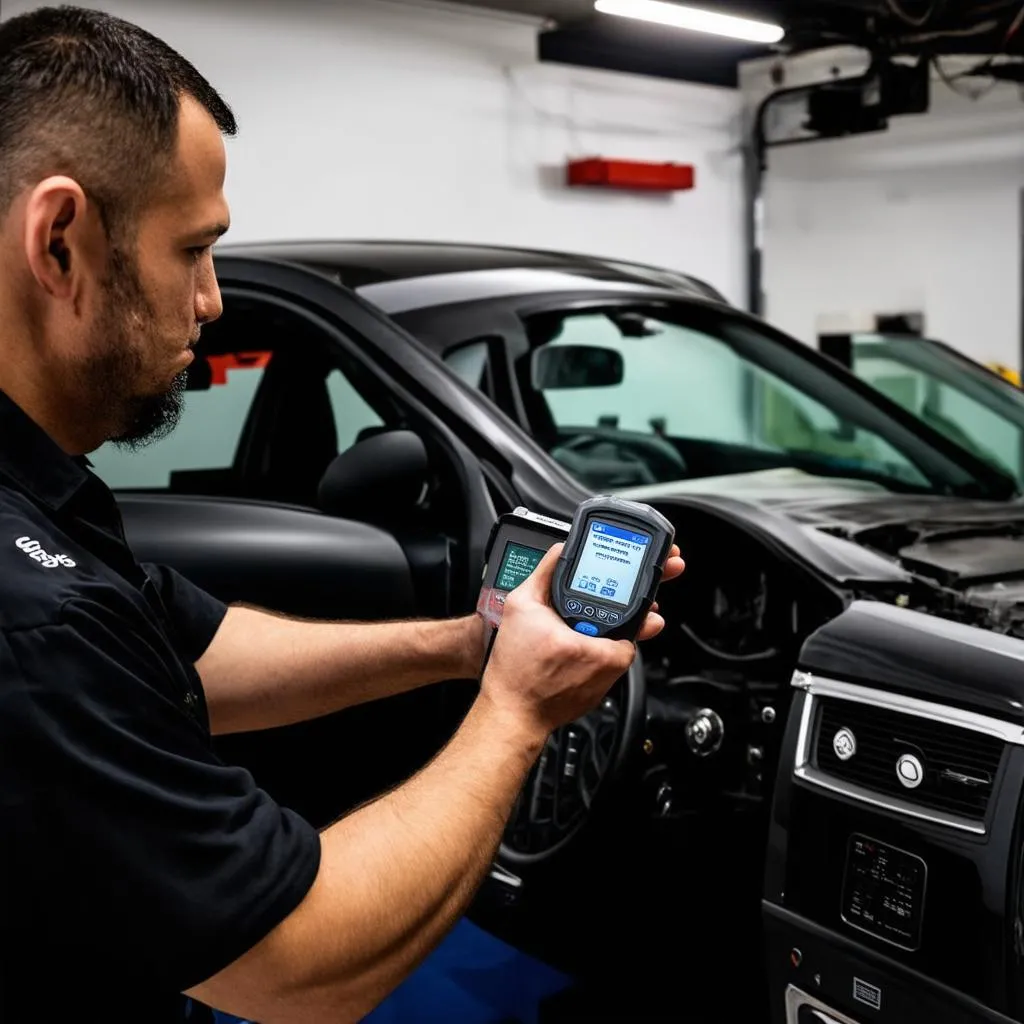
610	568
607	575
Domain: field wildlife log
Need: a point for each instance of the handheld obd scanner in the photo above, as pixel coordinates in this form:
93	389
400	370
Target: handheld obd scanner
608	573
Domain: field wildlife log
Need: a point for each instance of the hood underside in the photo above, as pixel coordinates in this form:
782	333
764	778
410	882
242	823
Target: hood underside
971	550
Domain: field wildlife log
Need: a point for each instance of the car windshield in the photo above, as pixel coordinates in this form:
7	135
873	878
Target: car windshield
625	397
965	401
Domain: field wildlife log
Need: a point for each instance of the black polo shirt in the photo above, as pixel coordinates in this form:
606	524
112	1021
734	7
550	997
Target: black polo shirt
133	863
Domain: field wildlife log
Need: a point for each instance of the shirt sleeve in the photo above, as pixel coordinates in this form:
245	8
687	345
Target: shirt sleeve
196	615
133	844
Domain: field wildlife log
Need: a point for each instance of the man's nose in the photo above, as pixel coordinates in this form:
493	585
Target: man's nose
209	304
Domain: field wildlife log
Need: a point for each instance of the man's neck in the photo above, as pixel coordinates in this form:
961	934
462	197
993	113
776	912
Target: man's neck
45	404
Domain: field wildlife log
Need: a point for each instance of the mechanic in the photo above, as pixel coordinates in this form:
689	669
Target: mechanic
135	868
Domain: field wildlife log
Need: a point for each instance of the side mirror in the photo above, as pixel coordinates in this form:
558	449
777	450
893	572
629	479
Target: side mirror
377	480
575	366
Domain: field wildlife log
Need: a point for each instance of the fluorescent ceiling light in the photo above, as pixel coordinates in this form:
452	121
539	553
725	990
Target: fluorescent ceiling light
693	18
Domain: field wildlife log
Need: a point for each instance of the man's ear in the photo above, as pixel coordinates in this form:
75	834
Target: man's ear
55	235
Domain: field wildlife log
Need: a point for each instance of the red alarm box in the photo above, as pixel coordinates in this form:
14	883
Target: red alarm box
631	174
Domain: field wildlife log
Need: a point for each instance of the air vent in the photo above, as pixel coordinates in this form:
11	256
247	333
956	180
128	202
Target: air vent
931	764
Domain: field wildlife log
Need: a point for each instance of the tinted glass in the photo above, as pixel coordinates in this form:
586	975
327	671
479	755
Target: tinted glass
207	435
693	404
968	404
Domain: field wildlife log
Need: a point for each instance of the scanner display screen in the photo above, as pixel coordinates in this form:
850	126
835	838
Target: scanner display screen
517	563
610	562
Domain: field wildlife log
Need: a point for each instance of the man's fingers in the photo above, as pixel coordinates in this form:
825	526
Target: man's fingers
537	586
674	566
628	651
652	626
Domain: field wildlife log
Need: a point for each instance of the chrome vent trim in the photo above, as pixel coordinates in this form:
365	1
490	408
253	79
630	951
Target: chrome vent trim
817	687
796	999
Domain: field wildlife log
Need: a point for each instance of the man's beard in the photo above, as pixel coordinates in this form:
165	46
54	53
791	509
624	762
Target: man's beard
152	417
125	326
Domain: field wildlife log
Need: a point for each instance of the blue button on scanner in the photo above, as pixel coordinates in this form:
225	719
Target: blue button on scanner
587	627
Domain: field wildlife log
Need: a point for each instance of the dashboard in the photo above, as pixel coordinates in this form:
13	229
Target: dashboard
719	676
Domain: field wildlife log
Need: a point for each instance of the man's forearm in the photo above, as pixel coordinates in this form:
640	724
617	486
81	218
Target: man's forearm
394	876
438	853
264	670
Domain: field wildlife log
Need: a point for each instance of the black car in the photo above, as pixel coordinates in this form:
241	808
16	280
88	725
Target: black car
361	414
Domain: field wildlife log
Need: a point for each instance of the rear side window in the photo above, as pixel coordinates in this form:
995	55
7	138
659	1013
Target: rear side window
207	435
469	362
352	413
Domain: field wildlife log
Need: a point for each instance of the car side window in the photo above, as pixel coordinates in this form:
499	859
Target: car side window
208	432
469	362
480	362
261	422
352	414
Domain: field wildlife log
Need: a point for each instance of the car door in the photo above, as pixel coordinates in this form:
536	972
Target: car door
290	379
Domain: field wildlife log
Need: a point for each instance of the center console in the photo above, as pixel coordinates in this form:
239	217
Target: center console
893	886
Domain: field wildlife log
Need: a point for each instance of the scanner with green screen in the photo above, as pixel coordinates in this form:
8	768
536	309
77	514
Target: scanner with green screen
518	542
516	565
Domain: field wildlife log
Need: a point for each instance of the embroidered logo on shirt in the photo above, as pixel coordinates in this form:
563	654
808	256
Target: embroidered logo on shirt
34	550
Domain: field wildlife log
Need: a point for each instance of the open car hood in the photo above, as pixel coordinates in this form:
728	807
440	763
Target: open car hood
969	551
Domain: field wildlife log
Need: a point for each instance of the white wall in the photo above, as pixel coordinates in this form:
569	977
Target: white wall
945	242
382	119
925	217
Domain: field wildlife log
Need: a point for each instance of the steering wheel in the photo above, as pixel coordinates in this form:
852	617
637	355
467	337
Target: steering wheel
578	761
654	455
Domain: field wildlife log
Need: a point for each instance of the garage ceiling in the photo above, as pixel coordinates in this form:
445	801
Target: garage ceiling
578	35
559	10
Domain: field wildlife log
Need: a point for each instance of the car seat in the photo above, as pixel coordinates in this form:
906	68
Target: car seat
297	437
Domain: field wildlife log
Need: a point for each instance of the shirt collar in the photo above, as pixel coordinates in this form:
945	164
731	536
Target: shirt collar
34	461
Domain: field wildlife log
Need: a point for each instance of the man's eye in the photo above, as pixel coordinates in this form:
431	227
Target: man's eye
197	252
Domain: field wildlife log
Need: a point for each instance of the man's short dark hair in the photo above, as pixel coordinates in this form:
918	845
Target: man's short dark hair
96	98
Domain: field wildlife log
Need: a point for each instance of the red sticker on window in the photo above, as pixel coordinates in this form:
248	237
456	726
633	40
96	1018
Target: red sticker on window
219	365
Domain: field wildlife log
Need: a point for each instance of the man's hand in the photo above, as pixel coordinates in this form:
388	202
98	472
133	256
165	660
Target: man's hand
473	640
545	673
